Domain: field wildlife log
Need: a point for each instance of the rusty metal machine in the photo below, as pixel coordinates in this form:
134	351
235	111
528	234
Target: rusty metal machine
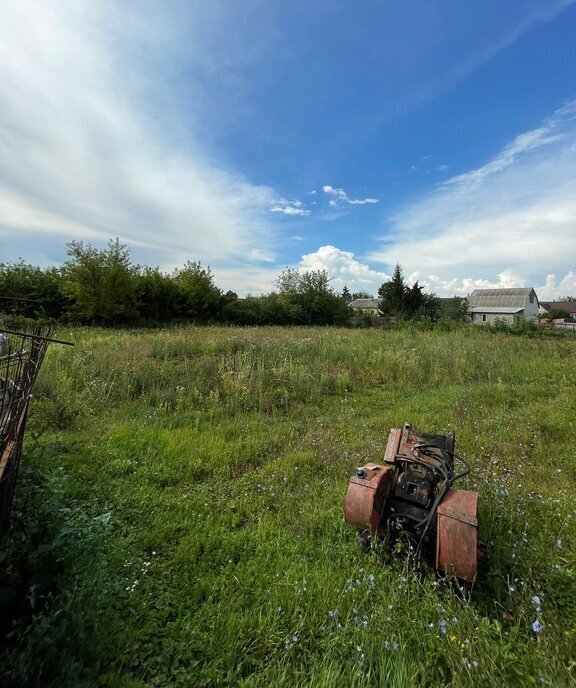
410	495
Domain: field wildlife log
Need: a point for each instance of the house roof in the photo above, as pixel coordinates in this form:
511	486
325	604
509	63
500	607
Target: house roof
501	298
445	299
362	304
497	309
568	306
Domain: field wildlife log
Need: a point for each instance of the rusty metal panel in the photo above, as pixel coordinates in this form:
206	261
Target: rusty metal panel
457	535
393	445
365	497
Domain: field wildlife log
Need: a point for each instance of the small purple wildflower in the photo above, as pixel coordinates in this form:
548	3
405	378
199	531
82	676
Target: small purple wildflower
442	627
536	601
537	627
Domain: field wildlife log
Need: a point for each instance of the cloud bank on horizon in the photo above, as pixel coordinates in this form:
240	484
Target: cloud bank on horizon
209	133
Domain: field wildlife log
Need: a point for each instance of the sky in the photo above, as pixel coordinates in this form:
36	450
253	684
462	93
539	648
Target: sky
253	135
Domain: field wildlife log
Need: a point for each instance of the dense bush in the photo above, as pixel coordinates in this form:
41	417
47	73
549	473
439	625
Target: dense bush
103	287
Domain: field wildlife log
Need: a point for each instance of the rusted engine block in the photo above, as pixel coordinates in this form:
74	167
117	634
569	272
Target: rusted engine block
410	494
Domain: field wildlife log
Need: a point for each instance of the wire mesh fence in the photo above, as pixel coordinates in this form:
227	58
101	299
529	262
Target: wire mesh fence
21	355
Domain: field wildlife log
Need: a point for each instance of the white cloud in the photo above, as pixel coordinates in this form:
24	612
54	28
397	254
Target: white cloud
261	256
509	222
81	156
557	290
294	208
344	268
442	168
338	197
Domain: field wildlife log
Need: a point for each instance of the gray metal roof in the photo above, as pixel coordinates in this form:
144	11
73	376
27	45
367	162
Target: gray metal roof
501	298
362	304
496	309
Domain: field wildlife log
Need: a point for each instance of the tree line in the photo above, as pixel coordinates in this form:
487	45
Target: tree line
104	287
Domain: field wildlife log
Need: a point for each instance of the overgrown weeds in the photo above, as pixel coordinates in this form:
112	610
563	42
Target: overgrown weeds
222	457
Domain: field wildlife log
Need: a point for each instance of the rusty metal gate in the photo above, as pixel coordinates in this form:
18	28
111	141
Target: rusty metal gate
21	355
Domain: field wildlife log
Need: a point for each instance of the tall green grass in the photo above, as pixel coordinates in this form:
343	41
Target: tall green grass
189	486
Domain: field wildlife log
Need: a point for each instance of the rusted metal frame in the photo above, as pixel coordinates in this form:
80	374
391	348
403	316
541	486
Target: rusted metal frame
31	335
18	370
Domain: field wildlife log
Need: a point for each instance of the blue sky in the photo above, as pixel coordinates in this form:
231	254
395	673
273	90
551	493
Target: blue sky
256	134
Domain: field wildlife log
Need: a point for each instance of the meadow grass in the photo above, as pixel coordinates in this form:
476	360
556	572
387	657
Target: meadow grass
180	515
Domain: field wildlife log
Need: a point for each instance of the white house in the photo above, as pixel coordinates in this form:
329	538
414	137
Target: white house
509	305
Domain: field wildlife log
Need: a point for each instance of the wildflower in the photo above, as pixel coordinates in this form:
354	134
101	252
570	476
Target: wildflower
474	664
294	639
559	543
544	681
332	613
536	602
442	627
537	627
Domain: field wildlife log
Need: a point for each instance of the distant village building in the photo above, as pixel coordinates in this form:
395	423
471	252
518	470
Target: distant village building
510	305
365	306
567	306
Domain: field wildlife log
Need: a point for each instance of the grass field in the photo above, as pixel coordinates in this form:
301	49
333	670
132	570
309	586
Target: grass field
180	515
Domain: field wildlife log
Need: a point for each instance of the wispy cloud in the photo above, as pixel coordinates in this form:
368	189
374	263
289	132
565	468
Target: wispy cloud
339	198
294	208
511	221
80	156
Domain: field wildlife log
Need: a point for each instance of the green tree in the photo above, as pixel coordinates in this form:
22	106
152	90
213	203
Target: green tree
100	283
361	295
404	301
393	294
31	291
455	309
557	313
157	295
346	295
308	298
200	298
